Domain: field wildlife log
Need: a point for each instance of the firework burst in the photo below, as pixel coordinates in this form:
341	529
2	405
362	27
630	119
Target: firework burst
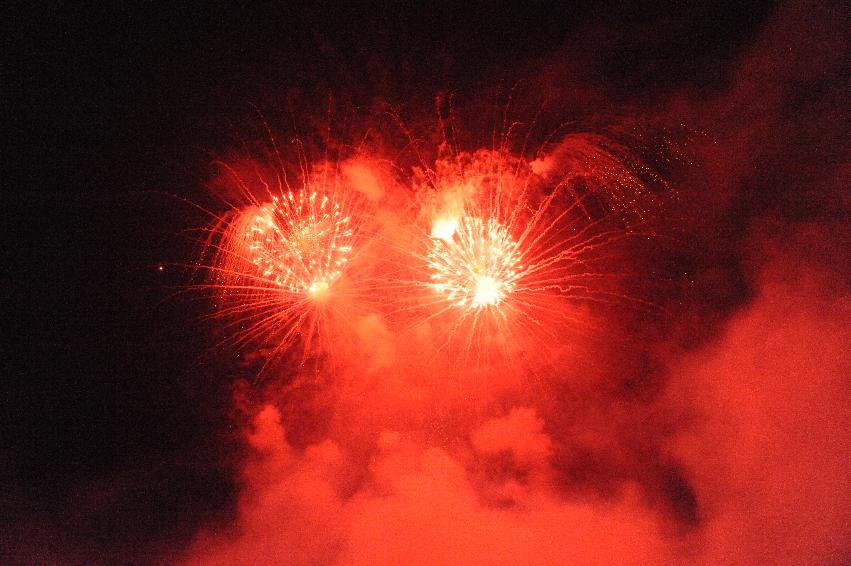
475	262
507	262
491	252
301	242
281	266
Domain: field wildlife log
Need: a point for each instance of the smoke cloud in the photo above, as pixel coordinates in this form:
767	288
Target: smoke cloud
714	433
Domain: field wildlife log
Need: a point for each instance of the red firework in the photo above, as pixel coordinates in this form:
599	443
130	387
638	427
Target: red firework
506	261
505	252
281	264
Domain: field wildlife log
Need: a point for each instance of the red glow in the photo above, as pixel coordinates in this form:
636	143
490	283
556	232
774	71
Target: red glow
496	259
280	264
467	407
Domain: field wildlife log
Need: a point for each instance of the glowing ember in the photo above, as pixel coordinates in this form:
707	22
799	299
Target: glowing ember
318	290
444	228
477	266
488	291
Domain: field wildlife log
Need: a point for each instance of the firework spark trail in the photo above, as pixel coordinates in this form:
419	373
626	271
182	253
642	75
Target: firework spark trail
617	177
501	269
302	242
280	265
475	264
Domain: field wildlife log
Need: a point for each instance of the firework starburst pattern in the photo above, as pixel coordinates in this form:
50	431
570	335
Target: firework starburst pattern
475	265
301	242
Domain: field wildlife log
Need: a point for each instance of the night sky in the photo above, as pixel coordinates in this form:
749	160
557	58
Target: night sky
119	434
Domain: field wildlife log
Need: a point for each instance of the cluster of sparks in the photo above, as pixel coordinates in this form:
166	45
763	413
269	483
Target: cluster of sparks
474	262
276	263
301	242
508	260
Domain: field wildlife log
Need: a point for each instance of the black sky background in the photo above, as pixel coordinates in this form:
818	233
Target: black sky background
112	422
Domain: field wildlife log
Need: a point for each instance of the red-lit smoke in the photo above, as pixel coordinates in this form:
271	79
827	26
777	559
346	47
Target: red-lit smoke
499	386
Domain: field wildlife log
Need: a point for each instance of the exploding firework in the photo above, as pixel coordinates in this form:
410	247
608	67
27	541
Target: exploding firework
494	252
474	262
280	266
508	261
301	243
